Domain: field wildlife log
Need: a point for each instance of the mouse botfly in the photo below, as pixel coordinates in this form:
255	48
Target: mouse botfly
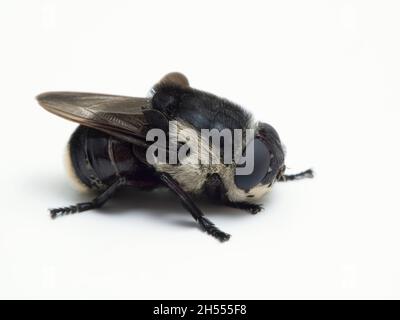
189	141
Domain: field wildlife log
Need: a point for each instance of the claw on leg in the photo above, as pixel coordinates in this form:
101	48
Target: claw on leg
212	230
95	203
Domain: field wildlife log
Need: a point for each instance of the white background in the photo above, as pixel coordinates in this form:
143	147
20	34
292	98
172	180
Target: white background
325	74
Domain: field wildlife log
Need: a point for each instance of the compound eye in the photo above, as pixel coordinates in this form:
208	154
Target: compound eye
262	159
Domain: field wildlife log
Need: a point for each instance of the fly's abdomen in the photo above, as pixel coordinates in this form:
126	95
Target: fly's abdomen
97	160
93	162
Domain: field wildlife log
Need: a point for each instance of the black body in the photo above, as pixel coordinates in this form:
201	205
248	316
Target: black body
108	149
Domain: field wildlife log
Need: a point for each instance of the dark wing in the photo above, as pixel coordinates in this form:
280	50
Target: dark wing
119	116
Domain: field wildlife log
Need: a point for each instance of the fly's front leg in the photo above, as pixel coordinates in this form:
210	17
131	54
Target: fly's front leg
188	203
97	202
298	176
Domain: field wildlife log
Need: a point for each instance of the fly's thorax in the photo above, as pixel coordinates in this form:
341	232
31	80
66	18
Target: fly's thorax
189	171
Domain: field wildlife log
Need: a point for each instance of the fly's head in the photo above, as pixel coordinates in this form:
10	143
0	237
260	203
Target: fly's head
267	155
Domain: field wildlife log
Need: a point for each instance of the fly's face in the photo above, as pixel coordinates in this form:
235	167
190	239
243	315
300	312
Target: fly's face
268	157
270	138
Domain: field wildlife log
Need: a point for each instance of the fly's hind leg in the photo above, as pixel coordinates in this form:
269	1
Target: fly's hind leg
97	202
